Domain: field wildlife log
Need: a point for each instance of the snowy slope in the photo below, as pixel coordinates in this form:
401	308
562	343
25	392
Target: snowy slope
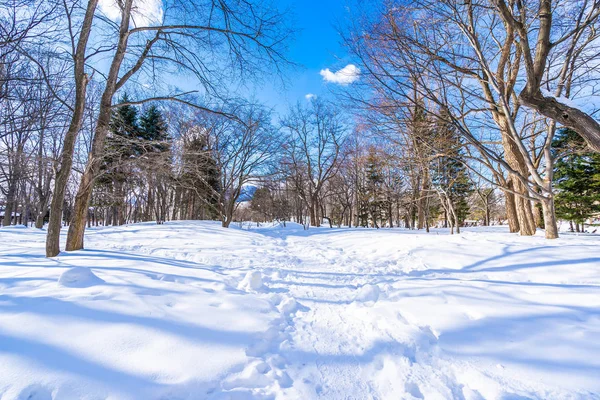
188	310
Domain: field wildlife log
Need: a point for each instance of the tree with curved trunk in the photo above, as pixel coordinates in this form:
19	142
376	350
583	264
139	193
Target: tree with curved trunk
528	16
452	54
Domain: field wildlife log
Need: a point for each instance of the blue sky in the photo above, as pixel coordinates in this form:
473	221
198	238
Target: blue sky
316	47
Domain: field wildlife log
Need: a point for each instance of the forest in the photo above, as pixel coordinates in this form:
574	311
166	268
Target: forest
299	199
461	113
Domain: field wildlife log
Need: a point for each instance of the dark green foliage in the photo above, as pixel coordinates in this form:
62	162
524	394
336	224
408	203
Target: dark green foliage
375	192
449	172
153	130
576	178
200	173
119	145
137	149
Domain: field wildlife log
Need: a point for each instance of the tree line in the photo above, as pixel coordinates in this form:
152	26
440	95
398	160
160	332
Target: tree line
463	111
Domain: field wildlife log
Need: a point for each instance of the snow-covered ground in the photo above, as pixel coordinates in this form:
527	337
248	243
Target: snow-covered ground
188	310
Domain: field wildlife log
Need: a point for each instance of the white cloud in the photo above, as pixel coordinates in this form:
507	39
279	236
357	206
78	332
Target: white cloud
144	13
350	73
310	96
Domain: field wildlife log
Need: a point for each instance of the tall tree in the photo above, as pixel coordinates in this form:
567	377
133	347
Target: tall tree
449	173
121	148
577	178
315	136
247	36
155	161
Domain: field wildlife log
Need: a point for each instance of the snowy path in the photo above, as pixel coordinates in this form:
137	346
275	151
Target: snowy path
179	311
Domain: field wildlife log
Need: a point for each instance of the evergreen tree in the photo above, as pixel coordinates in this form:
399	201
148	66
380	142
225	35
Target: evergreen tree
375	193
576	178
200	175
118	151
449	172
152	148
124	131
153	129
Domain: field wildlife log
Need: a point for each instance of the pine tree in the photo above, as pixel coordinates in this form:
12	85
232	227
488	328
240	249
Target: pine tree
576	178
153	129
153	147
375	192
118	152
449	172
124	131
200	176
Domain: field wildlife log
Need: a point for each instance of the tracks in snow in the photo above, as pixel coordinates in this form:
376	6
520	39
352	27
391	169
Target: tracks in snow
342	342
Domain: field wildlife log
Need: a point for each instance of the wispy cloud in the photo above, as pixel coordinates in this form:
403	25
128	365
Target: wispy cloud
144	13
345	76
310	96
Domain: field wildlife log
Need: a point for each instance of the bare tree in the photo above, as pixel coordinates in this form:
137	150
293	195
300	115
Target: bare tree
456	57
315	136
243	152
247	36
557	40
79	36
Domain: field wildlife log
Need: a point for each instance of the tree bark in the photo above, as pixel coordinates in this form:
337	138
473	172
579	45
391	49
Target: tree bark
10	202
586	126
77	227
526	221
314	221
511	210
517	162
550	225
66	157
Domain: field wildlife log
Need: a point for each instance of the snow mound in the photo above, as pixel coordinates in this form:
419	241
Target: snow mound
79	277
288	306
252	281
367	293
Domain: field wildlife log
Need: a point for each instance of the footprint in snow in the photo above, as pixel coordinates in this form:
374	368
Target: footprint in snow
35	392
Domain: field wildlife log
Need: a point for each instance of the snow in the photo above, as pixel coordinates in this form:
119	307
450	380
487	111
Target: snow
252	281
367	293
79	277
189	310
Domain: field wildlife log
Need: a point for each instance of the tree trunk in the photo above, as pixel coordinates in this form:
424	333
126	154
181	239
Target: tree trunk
66	157
77	227
228	217
525	215
39	219
550	224
511	209
313	212
420	212
10	204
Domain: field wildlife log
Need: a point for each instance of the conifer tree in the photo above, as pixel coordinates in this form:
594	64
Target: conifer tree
576	178
153	150
120	148
449	172
153	129
375	194
199	177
